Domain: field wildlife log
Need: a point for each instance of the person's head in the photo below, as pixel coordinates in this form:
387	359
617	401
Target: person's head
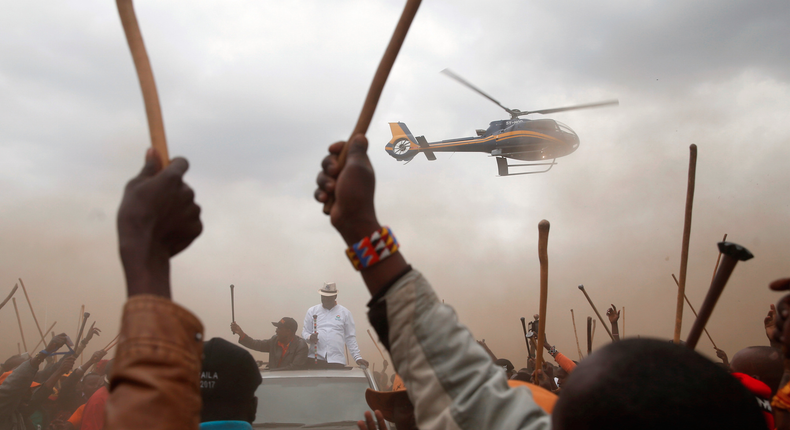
228	382
394	405
328	295
12	363
507	366
286	329
763	363
653	384
90	383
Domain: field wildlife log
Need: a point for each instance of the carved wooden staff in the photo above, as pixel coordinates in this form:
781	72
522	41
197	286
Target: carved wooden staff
543	257
694	311
578	348
30	305
376	87
581	287
9	296
315	331
376	344
589	335
153	111
19	320
733	253
684	252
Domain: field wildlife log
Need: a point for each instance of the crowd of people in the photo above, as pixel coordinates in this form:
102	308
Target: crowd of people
165	375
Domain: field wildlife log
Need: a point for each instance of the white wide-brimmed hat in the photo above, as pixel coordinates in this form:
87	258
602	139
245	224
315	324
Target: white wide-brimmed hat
329	289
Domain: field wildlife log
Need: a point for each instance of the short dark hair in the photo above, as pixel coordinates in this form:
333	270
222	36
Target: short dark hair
228	381
651	384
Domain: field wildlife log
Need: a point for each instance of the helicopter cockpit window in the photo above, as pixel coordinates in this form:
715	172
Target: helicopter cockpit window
543	125
564	128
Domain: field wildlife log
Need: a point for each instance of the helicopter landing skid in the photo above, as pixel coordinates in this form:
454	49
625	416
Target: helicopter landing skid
504	167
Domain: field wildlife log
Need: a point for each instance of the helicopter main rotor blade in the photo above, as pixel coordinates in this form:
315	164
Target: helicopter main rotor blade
449	73
567	108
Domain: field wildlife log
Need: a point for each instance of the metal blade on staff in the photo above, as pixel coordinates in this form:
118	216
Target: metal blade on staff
377	86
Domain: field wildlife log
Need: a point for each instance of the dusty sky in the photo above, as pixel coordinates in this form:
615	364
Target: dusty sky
253	92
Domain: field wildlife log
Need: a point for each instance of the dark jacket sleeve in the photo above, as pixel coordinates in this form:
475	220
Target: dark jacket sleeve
14	388
257	345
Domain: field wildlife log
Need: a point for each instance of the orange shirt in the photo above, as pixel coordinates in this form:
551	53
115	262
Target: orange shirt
76	417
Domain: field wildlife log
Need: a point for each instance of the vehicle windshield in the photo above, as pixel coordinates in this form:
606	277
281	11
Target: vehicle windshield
311	400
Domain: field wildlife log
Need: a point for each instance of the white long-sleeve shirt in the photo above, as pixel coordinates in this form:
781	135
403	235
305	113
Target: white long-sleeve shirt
336	329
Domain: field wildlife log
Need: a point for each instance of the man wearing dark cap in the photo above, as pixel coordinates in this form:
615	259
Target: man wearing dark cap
228	380
286	350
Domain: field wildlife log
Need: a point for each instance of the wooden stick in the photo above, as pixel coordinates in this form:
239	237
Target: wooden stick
578	348
19	320
110	346
24	290
111	342
592	338
376	87
684	252
589	335
694	311
156	126
9	296
376	344
581	287
79	320
623	336
543	257
39	342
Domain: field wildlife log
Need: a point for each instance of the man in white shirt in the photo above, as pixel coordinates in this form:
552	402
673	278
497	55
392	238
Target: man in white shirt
335	330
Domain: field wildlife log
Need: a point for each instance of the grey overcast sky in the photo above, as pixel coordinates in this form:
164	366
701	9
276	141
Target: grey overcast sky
254	91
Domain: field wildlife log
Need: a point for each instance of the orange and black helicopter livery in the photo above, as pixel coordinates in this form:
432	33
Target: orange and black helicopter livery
540	142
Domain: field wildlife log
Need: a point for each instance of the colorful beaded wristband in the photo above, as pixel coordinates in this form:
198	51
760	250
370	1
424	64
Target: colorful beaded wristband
373	249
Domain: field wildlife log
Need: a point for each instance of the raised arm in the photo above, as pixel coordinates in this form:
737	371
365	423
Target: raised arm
156	373
451	380
614	316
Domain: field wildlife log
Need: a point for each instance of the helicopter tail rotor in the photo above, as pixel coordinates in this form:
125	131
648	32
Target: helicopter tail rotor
403	146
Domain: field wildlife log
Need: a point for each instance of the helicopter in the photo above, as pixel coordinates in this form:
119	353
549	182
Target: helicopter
539	141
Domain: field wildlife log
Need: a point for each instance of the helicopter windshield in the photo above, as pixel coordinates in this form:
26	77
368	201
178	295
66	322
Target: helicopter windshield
564	128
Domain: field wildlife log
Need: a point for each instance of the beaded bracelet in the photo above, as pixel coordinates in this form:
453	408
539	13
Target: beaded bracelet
373	249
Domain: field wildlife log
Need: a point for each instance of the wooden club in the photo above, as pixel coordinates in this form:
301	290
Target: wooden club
153	111
732	254
684	252
232	305
377	86
543	257
589	335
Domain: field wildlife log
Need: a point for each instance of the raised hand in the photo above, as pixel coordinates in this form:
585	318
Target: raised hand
97	356
353	213
92	332
613	314
236	329
56	343
157	219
